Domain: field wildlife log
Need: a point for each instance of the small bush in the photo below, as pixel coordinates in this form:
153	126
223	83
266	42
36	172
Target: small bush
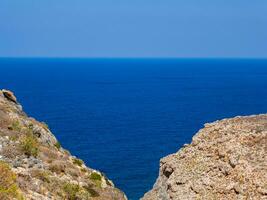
78	162
30	145
57	167
8	186
95	176
71	191
58	145
84	170
30	126
74	192
15	126
41	175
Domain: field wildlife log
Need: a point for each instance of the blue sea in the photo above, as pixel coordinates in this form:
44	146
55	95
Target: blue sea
122	115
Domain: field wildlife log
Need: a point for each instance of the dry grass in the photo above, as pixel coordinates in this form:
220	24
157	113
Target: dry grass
8	187
29	145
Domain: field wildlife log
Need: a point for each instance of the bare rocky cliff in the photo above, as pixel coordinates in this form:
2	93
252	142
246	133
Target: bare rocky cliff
226	160
33	165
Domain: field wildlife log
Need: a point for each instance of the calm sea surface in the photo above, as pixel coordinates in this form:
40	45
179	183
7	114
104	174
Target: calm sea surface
122	115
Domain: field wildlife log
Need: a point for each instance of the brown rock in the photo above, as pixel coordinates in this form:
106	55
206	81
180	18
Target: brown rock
226	160
9	95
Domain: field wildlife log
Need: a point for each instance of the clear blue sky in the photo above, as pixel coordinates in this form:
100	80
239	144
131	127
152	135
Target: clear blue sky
133	28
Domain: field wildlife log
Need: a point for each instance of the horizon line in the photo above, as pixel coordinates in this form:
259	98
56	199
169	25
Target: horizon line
134	58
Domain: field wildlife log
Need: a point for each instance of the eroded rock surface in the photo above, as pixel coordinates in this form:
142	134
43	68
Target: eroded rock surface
226	160
34	166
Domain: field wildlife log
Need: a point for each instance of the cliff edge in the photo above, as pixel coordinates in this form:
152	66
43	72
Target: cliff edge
33	165
227	160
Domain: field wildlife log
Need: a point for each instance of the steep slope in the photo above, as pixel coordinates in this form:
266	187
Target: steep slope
227	160
34	166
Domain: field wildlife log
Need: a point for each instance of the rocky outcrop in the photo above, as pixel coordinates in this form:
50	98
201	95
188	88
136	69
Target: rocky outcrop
227	160
33	165
9	95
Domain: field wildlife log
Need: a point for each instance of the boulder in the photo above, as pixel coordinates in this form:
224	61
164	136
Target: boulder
10	96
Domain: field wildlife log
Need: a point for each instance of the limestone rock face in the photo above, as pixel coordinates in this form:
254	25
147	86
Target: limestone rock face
34	166
226	160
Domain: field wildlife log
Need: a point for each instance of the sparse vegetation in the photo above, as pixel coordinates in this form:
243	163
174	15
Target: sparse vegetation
73	192
95	176
84	170
30	126
8	186
57	167
15	126
53	173
13	137
91	191
78	162
30	145
48	153
41	175
58	145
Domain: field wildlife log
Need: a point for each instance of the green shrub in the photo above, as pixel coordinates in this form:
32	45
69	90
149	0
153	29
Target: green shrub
71	191
78	162
30	145
30	126
15	126
95	176
74	192
58	145
8	186
84	170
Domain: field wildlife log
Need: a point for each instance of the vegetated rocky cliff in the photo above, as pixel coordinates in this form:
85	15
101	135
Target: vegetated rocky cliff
227	160
34	166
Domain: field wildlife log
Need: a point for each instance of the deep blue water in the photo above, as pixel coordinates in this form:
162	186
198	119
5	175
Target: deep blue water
122	116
